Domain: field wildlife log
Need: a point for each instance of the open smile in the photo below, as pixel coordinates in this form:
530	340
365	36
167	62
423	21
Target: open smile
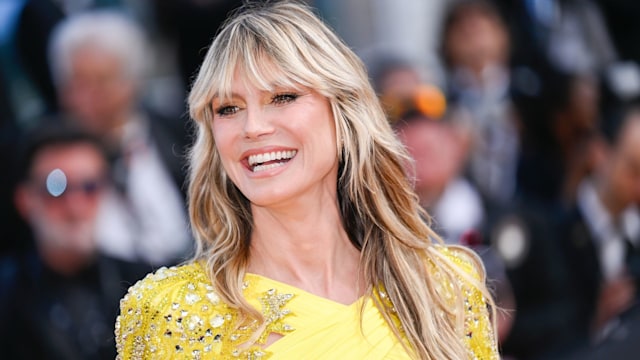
270	160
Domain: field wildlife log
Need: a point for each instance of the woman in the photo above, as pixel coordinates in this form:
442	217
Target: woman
311	243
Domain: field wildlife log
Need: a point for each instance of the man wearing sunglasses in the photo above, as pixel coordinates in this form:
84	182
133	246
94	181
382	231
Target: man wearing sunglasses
62	297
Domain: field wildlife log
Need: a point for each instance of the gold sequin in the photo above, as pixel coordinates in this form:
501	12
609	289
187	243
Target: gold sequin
176	314
199	323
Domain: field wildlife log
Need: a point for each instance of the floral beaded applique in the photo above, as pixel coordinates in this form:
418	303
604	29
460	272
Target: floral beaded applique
176	314
479	336
274	314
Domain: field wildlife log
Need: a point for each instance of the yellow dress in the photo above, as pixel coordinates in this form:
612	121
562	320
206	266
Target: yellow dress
175	313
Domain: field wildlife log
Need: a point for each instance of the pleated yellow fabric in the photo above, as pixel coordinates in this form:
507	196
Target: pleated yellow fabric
328	330
175	313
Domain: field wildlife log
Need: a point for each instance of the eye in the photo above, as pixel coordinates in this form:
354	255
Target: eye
285	98
227	110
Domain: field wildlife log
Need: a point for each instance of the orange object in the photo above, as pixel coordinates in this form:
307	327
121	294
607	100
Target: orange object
425	99
430	101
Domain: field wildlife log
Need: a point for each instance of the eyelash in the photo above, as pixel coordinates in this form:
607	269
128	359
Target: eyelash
227	110
285	98
279	99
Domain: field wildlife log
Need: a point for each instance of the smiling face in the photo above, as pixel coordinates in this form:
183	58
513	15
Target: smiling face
276	145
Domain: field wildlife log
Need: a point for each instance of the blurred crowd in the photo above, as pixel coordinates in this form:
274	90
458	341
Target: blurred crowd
527	150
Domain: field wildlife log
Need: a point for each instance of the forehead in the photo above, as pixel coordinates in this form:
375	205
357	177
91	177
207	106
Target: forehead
265	78
77	158
90	54
630	131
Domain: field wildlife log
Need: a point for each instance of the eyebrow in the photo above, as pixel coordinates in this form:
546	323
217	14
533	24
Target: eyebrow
274	88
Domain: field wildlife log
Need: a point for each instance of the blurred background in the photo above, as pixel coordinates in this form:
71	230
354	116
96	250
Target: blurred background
522	117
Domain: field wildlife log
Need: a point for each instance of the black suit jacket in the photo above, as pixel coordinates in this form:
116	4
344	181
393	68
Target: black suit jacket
47	315
548	321
582	257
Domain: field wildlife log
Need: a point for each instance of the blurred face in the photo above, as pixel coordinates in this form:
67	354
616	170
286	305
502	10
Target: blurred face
584	103
623	169
96	91
400	83
64	222
276	146
476	41
436	156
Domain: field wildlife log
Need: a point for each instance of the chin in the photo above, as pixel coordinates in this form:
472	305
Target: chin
270	199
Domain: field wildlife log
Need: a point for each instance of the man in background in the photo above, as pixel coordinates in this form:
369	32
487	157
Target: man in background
99	61
60	299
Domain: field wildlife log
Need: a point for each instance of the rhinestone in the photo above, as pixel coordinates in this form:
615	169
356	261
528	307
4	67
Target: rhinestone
217	321
192	298
194	322
213	297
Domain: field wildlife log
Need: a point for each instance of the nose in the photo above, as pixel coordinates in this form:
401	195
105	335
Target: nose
79	205
257	123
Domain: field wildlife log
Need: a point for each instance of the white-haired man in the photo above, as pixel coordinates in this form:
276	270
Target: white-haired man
99	61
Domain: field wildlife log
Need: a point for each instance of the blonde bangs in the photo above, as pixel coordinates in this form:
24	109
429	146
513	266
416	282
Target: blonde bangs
254	48
284	46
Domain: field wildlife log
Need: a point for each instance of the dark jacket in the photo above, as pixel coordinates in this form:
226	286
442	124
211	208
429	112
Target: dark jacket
46	315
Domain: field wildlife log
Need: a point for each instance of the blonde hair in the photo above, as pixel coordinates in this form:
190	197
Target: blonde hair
286	42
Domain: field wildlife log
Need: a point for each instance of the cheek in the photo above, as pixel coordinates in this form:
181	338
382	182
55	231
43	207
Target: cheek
224	143
622	180
331	140
221	135
318	129
407	141
419	144
121	93
51	212
90	206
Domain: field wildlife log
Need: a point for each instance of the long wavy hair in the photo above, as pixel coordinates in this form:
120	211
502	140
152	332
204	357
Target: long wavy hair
283	43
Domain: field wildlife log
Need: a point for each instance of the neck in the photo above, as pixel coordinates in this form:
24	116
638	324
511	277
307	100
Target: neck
66	263
609	201
309	250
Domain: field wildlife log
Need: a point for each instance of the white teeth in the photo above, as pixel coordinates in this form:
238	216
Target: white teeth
266	167
271	156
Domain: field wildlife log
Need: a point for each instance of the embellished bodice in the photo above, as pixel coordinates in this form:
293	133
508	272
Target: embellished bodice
175	313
